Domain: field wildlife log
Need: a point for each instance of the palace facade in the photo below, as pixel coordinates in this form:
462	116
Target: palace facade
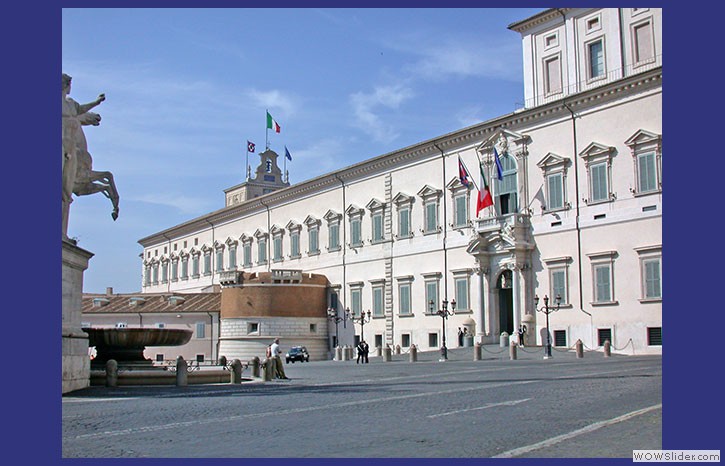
577	213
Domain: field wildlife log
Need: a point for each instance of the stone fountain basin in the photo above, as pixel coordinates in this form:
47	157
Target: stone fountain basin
137	337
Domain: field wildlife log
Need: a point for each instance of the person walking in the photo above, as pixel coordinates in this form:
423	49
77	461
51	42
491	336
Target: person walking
522	334
277	359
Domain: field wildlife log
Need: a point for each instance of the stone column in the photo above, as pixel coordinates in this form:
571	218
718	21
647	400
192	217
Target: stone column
481	321
515	272
75	360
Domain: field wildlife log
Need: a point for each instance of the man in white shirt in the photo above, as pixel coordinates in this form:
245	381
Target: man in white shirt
277	359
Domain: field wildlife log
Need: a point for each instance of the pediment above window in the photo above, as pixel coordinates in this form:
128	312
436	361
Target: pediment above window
455	185
332	216
277	230
245	238
219	245
311	221
429	192
552	160
194	251
375	205
643	138
231	242
596	150
504	141
206	248
403	199
354	211
260	234
293	226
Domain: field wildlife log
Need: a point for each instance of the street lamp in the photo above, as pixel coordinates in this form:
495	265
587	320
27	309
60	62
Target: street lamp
547	310
362	321
332	316
444	313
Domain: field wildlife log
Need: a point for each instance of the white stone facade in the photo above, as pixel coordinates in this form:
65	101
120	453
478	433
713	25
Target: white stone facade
578	213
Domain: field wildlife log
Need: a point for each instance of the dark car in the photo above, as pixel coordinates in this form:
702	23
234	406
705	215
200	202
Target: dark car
297	353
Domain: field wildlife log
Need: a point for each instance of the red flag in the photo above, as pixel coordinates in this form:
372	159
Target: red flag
463	174
484	194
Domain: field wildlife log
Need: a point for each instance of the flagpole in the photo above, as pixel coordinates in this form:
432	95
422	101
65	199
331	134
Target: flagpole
266	131
246	171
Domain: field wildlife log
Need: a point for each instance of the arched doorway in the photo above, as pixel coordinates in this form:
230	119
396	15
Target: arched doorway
505	302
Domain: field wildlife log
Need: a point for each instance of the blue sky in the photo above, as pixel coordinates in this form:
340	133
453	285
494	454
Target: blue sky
186	88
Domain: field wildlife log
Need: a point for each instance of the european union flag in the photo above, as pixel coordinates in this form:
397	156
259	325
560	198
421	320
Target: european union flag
286	153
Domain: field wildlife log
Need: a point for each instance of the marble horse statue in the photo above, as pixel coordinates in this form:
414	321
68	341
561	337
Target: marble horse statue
79	178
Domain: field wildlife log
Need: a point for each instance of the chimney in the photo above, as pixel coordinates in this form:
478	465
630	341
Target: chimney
109	291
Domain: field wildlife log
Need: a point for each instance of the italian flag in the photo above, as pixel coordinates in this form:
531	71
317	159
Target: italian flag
484	194
271	124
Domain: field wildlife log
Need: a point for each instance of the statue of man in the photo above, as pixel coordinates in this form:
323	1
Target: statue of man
74	116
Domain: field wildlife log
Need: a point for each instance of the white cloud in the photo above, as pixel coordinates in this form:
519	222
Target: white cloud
367	107
183	204
274	99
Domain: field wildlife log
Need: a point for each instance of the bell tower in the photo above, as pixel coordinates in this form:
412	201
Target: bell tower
267	178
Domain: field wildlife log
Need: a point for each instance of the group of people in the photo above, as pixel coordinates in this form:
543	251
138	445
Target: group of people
274	356
462	333
362	352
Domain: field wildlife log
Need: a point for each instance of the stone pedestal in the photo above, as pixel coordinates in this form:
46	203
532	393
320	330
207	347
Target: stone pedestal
75	361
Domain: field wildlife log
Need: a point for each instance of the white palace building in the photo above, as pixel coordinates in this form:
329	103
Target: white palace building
577	213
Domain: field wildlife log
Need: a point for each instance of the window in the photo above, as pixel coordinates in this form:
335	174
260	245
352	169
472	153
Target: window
159	357
404	204
646	150
378	341
603	277
155	273
378	300
199	358
233	256
165	271
313	235
174	270
356	299
200	330
432	340
404	295
159	325
252	328
552	75
219	259
195	265
431	199
551	40
355	215
262	250
555	191
507	187
207	261
405	340
295	244
431	291
277	248
184	267
596	59
147	275
593	24
247	254
460	209
604	334
558	284
313	328
598	159
642	42
333	230
650	259
377	212
461	287
654	336
560	338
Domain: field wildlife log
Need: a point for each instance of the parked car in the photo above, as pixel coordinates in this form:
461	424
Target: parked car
297	353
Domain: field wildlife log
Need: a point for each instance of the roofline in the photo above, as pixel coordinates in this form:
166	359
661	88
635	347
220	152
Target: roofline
385	162
538	18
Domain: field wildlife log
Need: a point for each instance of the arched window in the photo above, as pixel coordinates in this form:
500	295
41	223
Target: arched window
507	188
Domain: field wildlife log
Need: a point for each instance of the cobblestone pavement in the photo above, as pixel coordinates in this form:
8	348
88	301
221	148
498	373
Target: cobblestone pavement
594	407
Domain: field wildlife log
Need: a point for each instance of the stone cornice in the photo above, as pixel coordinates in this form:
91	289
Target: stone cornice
538	19
469	136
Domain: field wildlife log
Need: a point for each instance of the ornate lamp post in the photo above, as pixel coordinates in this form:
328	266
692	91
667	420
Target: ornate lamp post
362	321
547	310
444	313
332	316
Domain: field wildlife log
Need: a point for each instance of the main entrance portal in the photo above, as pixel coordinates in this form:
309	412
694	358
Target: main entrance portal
505	303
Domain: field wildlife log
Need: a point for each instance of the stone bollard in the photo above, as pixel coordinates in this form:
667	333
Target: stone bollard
223	360
254	362
269	369
477	352
338	353
579	349
111	373
345	353
236	372
607	348
504	340
378	351
182	376
397	349
413	353
512	351
387	354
